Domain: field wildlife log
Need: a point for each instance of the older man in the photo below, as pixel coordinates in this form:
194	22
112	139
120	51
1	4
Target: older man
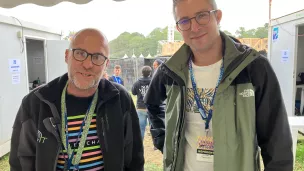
78	121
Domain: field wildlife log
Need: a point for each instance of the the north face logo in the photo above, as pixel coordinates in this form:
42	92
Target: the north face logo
247	93
40	138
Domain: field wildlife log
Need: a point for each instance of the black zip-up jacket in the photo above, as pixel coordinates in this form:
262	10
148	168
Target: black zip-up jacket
36	142
139	89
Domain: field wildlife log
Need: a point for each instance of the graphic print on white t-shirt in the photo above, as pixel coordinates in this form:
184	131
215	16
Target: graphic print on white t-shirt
205	95
198	145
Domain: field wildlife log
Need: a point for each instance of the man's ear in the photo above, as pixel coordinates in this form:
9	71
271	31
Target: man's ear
107	63
218	16
177	28
67	53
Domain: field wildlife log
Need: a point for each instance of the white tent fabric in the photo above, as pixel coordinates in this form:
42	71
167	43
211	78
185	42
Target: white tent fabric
14	3
125	57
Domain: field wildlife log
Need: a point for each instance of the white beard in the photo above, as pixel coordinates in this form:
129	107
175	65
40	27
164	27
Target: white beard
83	86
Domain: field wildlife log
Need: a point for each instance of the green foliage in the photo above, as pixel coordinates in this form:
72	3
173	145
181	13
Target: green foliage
71	34
228	33
260	32
127	42
300	155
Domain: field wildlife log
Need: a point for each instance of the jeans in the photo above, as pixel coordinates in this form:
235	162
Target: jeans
142	116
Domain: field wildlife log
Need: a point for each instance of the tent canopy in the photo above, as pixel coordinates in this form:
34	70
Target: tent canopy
14	3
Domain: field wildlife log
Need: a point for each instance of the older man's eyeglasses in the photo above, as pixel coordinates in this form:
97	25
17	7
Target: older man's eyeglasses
201	18
96	58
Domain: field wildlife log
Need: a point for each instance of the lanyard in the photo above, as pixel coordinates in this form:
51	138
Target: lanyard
117	80
83	131
197	98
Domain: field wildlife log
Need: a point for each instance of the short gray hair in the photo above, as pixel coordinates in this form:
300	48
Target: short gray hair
175	2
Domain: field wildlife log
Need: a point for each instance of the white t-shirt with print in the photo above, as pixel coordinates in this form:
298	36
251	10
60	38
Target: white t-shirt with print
206	78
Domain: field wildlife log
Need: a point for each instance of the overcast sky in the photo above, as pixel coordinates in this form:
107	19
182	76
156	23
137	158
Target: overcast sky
143	16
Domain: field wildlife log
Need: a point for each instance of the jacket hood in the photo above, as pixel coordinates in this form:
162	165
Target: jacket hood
144	79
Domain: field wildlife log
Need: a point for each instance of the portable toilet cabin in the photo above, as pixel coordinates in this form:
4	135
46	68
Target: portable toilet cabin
286	55
28	53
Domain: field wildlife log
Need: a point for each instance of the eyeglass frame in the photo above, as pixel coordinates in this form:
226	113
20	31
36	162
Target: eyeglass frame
190	19
89	54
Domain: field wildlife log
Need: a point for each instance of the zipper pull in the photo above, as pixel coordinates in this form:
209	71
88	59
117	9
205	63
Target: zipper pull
104	133
107	123
55	122
52	122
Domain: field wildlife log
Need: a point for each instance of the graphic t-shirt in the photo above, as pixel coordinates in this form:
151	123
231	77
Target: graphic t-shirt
92	158
199	146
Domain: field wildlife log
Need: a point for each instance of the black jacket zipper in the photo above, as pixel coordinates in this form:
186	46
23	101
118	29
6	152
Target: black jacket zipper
52	127
55	130
59	142
102	134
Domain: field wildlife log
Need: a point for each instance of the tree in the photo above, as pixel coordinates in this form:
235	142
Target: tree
240	32
260	32
227	32
243	33
126	42
70	35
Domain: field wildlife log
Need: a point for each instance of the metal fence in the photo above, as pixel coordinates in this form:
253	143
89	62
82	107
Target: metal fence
131	68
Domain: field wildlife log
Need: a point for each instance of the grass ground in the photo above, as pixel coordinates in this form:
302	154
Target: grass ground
153	158
4	166
300	154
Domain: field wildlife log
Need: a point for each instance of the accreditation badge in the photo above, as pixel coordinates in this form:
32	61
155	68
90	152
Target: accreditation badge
205	149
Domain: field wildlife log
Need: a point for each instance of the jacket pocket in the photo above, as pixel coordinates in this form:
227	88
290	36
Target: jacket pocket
27	146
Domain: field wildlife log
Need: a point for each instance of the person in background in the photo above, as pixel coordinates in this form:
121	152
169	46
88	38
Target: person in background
156	63
78	121
116	77
139	89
